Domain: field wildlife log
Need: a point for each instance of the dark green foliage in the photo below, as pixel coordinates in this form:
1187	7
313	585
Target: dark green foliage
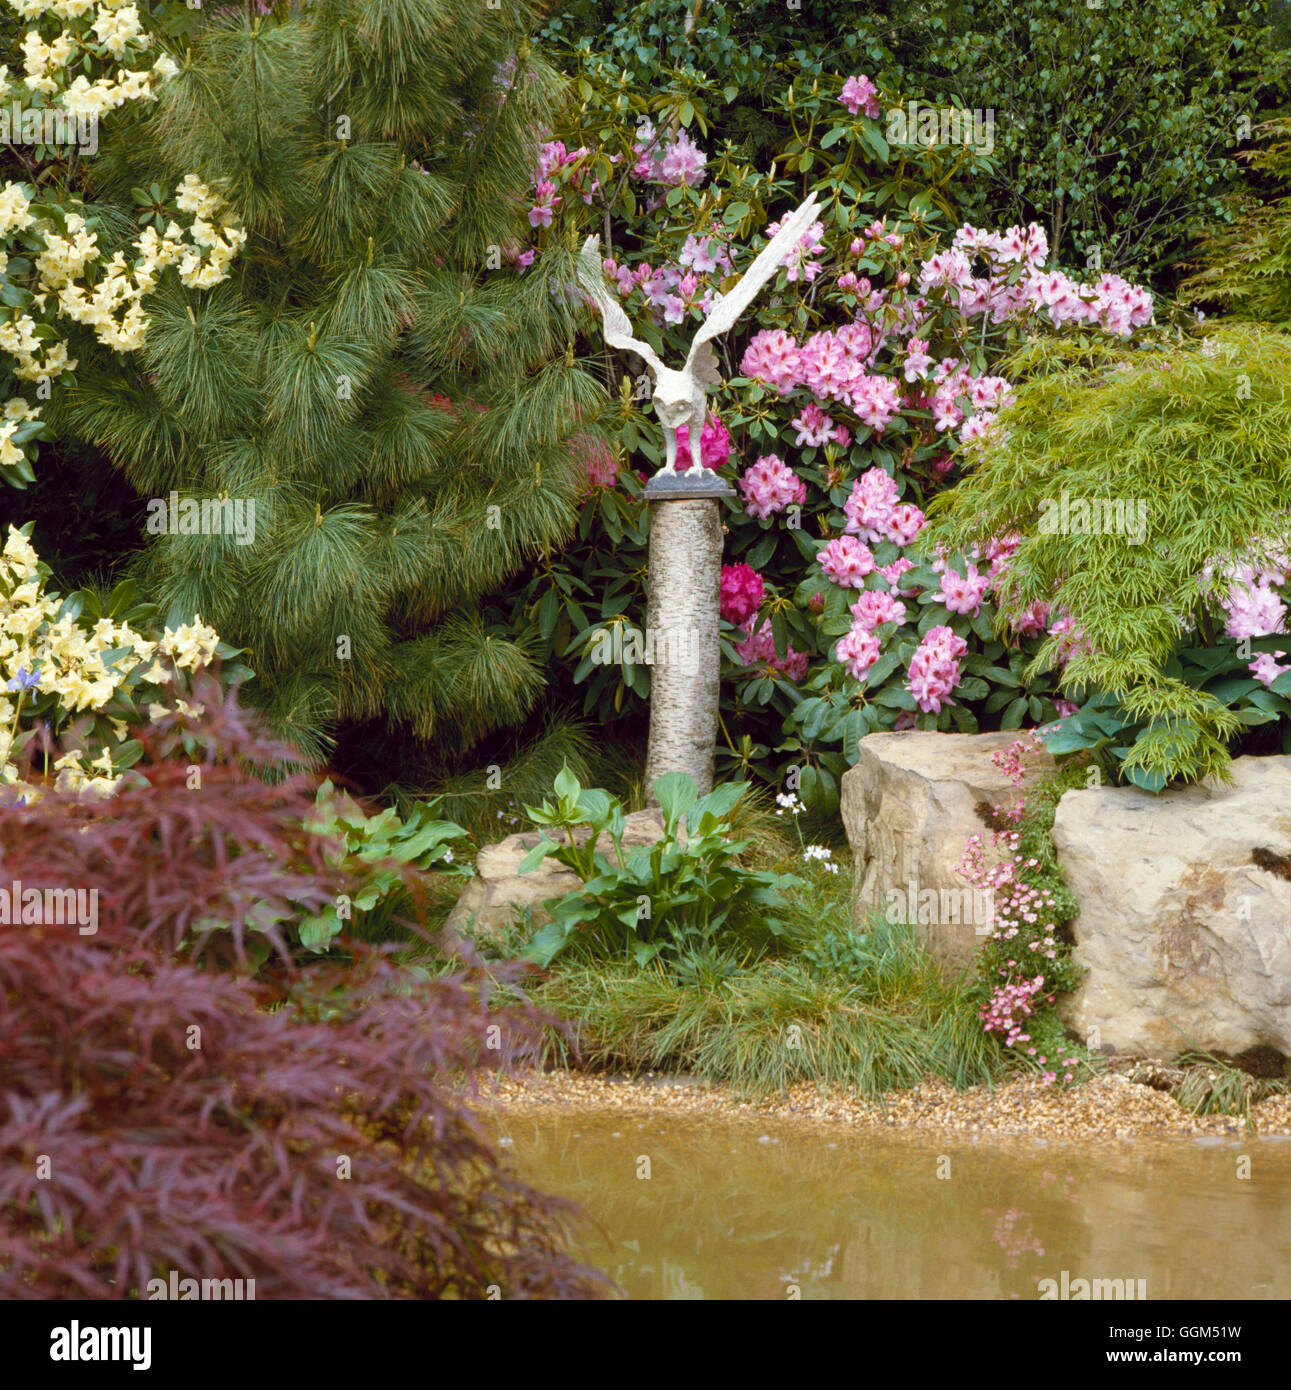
1117	125
393	396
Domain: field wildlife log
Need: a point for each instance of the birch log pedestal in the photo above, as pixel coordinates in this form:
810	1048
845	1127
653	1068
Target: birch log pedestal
683	616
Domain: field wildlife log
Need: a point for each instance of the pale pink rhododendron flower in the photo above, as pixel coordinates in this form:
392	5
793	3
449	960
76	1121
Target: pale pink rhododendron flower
769	486
860	94
846	561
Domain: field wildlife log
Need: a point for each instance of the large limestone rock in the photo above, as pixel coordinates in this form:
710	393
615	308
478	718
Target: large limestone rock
910	805
499	893
1185	913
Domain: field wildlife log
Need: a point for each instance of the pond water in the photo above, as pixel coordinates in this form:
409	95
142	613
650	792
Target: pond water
701	1207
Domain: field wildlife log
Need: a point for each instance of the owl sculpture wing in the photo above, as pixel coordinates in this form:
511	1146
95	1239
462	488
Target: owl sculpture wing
726	312
617	327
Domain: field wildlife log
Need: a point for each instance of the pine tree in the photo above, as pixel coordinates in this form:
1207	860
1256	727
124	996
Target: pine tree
395	395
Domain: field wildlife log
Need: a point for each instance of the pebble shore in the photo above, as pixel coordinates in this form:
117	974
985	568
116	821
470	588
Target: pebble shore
1108	1107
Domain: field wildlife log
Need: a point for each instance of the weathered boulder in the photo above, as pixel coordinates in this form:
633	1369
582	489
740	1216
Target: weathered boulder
499	893
910	806
1185	913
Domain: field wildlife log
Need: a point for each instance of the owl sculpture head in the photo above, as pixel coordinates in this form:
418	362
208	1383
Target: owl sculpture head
680	397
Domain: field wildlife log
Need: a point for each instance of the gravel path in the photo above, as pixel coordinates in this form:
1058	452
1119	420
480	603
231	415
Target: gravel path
1108	1107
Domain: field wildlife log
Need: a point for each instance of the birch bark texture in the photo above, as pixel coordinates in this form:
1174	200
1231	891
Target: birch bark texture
682	613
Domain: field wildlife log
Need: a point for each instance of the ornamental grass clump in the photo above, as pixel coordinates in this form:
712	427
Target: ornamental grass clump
156	1114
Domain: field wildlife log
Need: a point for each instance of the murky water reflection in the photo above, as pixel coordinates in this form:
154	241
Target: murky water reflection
707	1208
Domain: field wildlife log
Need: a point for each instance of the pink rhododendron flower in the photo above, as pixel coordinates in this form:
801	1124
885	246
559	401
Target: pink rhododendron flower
875	607
797	259
1265	667
673	161
846	561
769	486
893	572
917	360
934	668
860	94
870	505
1031	621
774	357
759	650
813	427
964	593
1254	611
903	524
545	201
858	651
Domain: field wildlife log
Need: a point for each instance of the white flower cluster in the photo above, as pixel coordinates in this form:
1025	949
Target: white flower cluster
85	664
824	854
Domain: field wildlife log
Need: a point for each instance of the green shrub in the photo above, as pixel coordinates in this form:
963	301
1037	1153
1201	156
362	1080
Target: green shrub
1195	433
679	895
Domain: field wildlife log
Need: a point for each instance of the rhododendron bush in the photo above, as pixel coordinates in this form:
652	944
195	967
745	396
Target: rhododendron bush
849	394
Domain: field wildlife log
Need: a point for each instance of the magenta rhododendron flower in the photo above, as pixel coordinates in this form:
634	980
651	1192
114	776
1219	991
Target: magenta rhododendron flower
596	457
741	592
715	446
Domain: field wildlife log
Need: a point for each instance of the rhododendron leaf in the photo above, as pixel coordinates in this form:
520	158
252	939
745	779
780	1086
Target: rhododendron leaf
1016	712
